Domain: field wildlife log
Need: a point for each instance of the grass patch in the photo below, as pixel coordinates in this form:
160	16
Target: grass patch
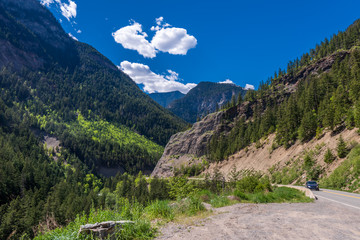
279	195
141	229
220	201
160	209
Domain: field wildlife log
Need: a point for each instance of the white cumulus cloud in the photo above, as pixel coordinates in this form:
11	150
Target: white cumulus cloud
173	40
168	39
153	82
132	37
227	81
249	87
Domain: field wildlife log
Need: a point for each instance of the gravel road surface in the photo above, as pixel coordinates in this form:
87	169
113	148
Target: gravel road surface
323	219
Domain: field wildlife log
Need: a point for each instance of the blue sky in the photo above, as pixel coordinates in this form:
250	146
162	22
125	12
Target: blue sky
241	41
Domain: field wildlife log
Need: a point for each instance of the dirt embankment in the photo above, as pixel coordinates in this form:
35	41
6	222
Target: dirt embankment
263	158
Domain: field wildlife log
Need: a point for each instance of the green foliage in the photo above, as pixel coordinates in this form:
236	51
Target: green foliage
342	149
329	157
103	131
180	187
307	129
240	195
192	170
219	201
252	182
160	209
141	229
347	175
308	162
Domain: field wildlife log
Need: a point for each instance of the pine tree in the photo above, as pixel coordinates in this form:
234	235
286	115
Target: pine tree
357	113
329	157
308	126
342	150
239	99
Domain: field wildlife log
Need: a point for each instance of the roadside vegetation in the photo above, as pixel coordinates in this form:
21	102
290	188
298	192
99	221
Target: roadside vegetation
151	203
347	175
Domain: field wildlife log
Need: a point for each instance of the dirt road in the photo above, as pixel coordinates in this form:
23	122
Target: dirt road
322	219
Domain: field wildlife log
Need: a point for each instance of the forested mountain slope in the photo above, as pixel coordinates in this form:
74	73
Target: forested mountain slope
203	99
317	93
56	78
53	85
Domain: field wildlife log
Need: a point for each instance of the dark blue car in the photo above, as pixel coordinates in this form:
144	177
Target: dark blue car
312	185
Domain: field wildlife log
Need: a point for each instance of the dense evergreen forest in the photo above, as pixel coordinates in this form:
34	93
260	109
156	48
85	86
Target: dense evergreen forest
51	84
327	100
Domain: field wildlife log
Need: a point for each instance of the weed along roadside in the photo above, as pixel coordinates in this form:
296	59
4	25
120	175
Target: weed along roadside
150	203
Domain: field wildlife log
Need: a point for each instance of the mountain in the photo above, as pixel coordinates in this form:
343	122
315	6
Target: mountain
164	99
68	116
57	80
203	99
287	127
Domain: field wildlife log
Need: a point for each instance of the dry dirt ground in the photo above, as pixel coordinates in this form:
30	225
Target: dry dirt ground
319	220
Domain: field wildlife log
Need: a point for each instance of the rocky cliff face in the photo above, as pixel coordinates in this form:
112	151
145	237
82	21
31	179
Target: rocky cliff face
189	147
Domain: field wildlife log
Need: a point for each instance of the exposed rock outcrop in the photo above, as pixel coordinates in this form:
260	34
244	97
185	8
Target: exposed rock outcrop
188	147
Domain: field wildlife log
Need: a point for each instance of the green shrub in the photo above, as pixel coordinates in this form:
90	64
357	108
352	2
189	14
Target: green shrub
248	183
329	157
205	195
159	209
195	205
181	187
308	162
189	206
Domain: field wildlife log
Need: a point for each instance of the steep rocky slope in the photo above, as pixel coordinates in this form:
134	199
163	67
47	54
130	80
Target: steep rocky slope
184	150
